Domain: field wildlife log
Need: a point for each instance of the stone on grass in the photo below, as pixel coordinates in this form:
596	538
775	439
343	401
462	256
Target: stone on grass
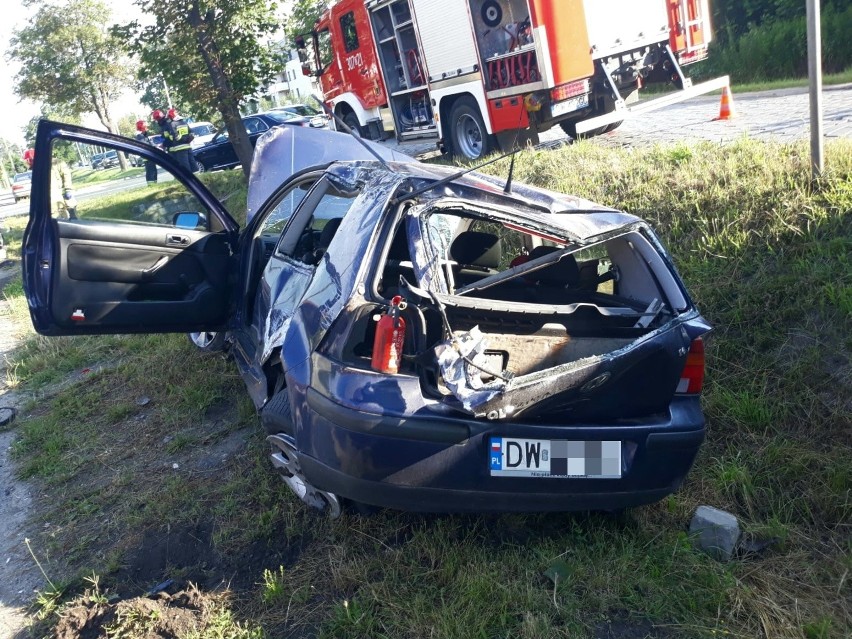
715	532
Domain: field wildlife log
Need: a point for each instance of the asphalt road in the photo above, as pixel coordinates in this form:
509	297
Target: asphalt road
8	208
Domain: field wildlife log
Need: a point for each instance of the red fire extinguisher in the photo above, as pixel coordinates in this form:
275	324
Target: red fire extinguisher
390	335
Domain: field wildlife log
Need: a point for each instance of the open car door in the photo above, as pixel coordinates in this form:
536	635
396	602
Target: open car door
141	247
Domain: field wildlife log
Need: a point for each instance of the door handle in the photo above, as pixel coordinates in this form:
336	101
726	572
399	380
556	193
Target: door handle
148	273
177	240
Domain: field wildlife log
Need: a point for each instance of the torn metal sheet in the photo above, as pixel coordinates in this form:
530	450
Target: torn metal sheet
463	378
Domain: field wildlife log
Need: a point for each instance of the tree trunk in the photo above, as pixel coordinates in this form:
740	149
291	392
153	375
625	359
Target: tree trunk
226	103
101	106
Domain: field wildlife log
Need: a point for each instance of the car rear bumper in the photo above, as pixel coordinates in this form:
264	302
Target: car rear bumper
428	464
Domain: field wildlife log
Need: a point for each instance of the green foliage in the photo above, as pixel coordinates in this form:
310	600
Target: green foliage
209	53
70	60
302	18
733	18
778	49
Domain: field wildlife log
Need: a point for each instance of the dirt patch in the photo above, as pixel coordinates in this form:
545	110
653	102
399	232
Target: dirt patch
161	616
622	625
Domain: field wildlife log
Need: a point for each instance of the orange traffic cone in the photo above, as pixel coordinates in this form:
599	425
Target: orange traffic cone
726	108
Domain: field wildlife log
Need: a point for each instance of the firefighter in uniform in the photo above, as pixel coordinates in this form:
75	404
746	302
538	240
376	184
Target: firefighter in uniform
176	137
143	136
64	202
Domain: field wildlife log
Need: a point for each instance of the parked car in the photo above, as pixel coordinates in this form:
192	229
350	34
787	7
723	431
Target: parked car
317	117
110	160
534	350
219	152
203	132
21	183
105	160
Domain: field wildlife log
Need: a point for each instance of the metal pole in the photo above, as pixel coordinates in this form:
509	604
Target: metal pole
168	95
815	76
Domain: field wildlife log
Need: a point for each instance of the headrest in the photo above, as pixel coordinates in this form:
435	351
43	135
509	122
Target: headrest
399	246
328	231
563	273
477	249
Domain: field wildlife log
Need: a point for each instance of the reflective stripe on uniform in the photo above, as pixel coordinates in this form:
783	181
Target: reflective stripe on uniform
180	147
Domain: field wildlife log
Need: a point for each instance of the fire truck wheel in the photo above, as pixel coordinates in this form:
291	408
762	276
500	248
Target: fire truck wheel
351	120
570	128
468	136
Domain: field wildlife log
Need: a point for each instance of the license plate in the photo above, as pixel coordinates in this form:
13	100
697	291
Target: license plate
554	458
569	105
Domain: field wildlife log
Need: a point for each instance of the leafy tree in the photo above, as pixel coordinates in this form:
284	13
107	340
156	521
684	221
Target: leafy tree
70	60
47	113
153	95
302	18
209	51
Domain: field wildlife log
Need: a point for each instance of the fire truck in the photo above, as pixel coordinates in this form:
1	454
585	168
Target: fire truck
478	75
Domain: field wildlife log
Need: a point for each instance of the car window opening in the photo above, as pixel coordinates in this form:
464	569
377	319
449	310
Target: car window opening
526	302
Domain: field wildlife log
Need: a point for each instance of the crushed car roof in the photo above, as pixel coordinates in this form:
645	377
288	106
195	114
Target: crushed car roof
284	151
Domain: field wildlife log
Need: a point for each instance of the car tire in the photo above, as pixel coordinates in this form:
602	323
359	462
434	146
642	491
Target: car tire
208	341
277	415
351	120
200	168
469	139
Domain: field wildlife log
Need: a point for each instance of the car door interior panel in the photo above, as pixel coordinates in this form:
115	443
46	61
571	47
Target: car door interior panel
129	275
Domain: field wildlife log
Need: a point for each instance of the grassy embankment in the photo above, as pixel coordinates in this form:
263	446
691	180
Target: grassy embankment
766	256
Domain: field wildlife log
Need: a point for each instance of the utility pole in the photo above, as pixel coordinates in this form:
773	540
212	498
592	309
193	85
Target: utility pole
815	77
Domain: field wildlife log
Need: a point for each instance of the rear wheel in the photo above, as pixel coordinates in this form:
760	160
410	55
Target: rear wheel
570	128
208	341
468	136
351	120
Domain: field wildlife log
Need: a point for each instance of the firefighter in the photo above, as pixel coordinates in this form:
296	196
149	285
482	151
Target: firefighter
64	203
143	136
176	137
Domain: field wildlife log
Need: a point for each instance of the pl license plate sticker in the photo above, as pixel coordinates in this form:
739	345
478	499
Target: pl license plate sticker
510	457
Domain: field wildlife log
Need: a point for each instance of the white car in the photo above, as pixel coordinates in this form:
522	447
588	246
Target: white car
317	118
203	132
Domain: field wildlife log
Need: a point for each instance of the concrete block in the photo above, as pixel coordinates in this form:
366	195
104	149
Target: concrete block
715	532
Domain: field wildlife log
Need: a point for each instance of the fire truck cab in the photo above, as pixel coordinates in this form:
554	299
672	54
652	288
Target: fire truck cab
482	74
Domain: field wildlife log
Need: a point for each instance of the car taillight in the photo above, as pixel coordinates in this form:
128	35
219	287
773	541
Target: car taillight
692	377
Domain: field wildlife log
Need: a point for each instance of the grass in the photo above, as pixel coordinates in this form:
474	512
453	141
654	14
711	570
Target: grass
83	176
828	79
766	254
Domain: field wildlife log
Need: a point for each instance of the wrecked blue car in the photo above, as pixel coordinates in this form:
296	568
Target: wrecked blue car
412	337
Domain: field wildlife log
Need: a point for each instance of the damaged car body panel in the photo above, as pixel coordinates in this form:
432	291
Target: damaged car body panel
545	355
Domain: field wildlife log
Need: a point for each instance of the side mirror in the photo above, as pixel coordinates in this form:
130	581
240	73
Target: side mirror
191	221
